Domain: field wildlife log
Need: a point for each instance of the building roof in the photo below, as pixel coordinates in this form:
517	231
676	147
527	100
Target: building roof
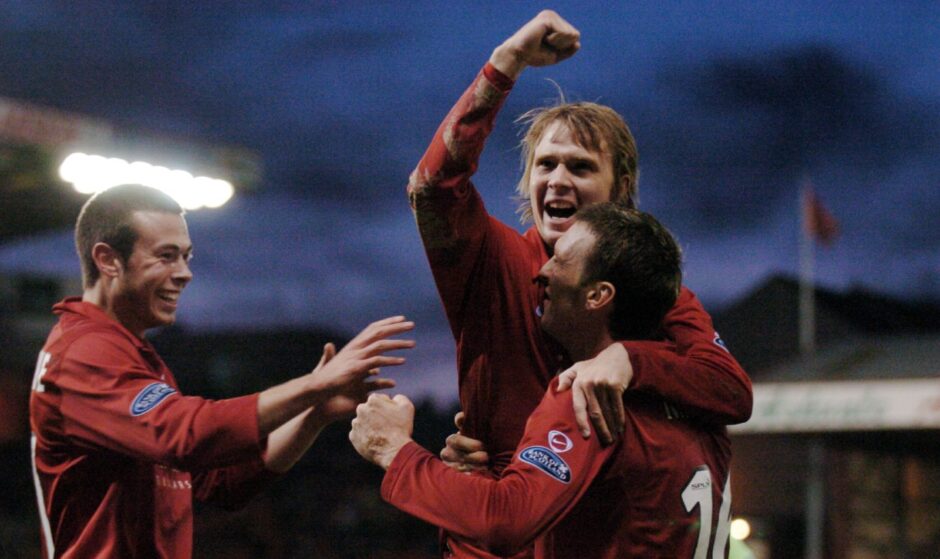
762	328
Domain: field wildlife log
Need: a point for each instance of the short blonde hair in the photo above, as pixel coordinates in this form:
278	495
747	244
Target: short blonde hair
595	127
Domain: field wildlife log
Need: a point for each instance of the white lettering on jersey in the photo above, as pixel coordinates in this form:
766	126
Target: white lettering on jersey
42	363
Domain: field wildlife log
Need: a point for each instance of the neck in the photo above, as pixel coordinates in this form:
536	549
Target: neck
96	295
100	296
588	344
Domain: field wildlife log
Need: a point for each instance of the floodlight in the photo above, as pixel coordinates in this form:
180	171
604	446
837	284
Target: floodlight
93	173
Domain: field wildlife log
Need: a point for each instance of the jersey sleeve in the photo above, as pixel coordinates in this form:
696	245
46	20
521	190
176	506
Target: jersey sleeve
110	400
449	212
552	468
700	375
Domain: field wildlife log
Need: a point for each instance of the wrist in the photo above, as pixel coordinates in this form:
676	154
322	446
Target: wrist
507	61
315	391
386	455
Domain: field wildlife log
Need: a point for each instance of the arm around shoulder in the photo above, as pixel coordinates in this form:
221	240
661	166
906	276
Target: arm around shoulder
697	371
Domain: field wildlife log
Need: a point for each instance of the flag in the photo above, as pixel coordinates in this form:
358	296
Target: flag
817	221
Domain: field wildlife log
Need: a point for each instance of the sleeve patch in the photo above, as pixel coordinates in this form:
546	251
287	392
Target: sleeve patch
547	461
719	342
150	397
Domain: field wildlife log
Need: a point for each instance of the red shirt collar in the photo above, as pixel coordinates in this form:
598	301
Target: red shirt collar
91	311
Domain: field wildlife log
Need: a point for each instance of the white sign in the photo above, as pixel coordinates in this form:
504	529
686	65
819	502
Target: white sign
844	406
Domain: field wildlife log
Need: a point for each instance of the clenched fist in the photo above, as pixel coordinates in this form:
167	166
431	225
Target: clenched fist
382	426
545	40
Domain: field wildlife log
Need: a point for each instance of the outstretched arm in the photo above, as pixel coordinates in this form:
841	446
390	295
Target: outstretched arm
232	486
361	358
503	515
148	419
289	442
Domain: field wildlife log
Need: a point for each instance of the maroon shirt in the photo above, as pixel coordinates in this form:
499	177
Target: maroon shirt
660	491
118	452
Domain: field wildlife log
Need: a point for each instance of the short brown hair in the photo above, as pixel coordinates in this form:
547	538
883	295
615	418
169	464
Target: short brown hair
106	218
642	260
595	127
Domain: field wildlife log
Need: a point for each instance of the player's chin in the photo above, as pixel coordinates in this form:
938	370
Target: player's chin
551	232
164	318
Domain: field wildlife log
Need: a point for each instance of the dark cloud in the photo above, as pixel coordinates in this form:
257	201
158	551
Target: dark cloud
340	99
744	131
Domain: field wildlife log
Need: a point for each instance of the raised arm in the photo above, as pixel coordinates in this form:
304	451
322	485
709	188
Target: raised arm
449	212
453	155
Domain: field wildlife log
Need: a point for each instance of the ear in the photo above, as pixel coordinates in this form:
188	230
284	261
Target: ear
107	260
600	295
625	181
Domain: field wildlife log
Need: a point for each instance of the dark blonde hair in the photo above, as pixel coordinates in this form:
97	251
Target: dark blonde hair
595	127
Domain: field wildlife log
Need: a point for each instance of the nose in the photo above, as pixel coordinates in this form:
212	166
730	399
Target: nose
183	274
559	179
542	277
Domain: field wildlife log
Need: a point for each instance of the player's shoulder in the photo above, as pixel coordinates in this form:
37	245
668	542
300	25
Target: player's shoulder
93	341
556	408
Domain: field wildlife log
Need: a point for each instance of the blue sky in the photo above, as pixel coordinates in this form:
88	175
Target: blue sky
732	104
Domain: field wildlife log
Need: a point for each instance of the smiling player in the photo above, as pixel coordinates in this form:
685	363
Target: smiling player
118	452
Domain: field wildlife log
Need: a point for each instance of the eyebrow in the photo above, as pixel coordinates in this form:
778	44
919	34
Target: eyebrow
173	246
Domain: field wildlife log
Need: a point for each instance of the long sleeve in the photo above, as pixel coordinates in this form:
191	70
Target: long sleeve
483	271
449	212
111	401
551	470
699	374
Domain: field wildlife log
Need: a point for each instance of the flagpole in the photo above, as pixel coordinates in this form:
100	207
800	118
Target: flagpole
807	313
815	496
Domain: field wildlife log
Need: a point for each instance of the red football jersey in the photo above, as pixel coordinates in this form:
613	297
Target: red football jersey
661	491
118	452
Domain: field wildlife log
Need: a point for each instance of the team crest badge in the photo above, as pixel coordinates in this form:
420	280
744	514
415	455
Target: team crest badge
719	342
150	397
559	442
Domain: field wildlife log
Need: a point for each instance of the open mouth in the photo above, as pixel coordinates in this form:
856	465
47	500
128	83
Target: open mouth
560	210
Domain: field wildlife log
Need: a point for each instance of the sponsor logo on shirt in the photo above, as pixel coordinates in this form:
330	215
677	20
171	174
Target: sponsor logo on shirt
169	478
547	461
559	442
150	397
720	343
